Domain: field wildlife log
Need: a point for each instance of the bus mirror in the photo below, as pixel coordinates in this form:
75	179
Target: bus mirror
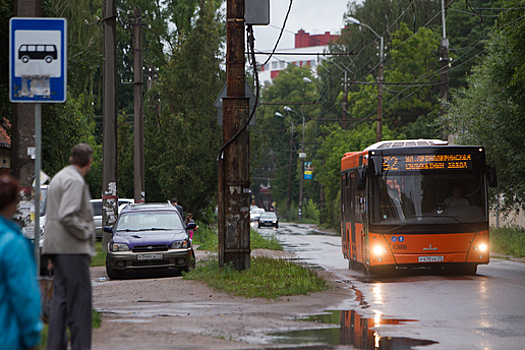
361	179
493	178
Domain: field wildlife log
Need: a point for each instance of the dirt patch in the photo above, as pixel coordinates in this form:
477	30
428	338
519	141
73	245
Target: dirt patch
172	313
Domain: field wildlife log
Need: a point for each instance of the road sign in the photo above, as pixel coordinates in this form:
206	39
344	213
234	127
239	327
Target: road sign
37	60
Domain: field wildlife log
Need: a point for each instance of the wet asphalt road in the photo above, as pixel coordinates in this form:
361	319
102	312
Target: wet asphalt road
485	311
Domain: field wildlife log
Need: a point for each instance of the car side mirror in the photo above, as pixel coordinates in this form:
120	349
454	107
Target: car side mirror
361	179
191	225
108	229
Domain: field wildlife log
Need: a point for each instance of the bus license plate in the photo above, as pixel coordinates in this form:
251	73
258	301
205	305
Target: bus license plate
430	258
157	256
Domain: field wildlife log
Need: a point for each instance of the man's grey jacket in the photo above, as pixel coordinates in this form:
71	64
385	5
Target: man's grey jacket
69	227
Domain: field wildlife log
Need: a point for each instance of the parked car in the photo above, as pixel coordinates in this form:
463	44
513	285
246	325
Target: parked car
255	213
149	236
268	219
97	213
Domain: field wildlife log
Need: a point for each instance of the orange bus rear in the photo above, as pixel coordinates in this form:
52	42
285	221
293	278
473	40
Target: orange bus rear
415	204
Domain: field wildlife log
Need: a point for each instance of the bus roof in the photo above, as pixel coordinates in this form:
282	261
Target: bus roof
406	143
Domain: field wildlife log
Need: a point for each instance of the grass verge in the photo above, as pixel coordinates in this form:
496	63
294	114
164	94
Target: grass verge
508	241
267	278
96	321
207	239
100	258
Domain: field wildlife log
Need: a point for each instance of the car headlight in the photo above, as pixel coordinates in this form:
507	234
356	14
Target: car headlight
179	245
119	247
275	221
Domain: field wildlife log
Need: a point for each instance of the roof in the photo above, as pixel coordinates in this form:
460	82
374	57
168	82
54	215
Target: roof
135	207
406	143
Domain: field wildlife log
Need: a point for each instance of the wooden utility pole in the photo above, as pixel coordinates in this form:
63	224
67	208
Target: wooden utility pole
234	169
444	62
139	183
109	112
23	120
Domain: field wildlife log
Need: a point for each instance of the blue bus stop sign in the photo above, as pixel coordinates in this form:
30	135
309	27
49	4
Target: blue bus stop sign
37	60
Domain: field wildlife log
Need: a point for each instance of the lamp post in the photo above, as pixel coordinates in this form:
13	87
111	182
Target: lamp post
380	78
289	199
302	155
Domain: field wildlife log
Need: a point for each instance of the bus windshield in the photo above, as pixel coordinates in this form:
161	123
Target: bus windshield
427	198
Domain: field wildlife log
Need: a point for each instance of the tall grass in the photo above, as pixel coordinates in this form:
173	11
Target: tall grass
267	278
207	239
508	241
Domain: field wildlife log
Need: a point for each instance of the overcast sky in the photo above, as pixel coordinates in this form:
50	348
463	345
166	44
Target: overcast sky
314	16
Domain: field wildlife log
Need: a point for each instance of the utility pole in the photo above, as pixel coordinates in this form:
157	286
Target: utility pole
139	182
380	93
345	100
234	166
444	62
289	199
23	133
109	112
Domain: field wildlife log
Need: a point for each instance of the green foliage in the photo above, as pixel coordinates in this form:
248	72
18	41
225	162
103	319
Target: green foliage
508	241
491	112
267	278
183	139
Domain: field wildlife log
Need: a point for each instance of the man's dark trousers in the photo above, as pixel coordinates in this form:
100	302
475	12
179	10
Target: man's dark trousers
71	303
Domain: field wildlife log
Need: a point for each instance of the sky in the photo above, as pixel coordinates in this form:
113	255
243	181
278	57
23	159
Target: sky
314	16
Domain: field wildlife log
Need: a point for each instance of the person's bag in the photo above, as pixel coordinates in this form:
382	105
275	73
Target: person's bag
46	293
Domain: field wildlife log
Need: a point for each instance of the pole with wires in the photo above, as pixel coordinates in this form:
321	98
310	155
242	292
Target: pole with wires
444	62
234	166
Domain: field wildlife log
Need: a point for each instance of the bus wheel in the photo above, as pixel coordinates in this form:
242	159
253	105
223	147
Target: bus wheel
25	59
49	59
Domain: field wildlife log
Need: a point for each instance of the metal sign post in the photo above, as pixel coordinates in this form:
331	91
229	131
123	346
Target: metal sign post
37	74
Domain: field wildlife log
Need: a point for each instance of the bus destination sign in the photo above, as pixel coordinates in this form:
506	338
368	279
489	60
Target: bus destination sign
455	161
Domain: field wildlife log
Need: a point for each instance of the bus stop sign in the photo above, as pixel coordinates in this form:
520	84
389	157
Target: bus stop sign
37	60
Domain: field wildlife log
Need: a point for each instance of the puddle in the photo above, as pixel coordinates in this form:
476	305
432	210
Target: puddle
349	328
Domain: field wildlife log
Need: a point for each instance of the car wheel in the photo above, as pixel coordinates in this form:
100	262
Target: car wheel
113	274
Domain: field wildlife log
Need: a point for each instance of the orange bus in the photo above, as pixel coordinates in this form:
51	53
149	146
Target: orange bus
416	204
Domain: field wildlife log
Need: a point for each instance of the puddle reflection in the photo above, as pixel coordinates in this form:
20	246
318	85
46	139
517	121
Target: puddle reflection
353	329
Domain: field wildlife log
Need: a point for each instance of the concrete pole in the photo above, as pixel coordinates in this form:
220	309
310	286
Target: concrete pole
289	200
380	93
139	182
444	61
234	162
345	101
109	112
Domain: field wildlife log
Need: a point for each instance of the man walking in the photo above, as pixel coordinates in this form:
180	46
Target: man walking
70	244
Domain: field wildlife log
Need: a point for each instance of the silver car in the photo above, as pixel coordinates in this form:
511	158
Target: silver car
97	213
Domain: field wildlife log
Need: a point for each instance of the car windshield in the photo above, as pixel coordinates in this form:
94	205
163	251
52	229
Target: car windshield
427	199
269	216
258	211
149	221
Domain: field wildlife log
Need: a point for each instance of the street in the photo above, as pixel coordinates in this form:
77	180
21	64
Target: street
486	311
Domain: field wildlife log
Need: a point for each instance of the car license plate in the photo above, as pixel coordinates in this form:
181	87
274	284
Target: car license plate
157	256
430	258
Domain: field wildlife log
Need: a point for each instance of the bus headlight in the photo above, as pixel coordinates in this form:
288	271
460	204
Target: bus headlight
378	250
483	247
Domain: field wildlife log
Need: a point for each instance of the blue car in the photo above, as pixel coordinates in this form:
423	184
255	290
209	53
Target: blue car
149	236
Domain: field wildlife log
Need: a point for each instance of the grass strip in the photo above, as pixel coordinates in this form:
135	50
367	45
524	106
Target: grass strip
266	278
508	241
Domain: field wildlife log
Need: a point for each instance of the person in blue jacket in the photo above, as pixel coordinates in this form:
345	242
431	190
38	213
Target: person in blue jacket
20	323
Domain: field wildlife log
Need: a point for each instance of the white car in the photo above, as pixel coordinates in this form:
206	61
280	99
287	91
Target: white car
97	213
256	213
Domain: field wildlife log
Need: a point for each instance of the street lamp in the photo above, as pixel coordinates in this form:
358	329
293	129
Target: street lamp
380	76
302	155
289	194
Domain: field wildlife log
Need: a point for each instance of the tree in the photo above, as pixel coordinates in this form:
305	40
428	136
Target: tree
183	139
491	112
